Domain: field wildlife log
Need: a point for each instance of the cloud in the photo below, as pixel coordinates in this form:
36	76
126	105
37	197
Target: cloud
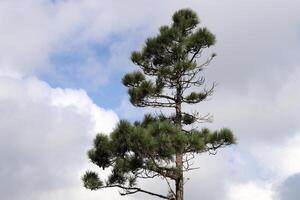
250	191
257	74
32	30
289	189
280	159
45	133
258	114
267	128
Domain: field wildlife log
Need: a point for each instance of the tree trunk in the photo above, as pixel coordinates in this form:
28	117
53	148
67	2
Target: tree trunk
179	180
179	155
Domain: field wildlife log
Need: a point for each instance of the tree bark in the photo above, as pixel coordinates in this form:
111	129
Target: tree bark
179	180
179	155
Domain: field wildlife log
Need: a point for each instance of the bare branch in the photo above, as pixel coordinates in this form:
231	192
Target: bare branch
170	188
132	190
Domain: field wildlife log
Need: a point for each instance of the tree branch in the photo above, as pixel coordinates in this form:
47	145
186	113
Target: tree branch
134	190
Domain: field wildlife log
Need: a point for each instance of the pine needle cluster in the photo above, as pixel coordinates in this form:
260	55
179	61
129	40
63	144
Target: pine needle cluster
168	76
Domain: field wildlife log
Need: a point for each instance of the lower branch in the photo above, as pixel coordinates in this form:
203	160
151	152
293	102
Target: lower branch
132	190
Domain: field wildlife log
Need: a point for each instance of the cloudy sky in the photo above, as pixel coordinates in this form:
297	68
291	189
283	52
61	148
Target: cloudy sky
61	62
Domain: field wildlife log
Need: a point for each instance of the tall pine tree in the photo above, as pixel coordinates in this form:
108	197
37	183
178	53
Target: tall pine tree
163	145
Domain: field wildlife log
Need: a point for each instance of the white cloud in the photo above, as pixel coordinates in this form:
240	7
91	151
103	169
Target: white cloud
268	171
249	191
43	129
281	159
45	133
266	125
31	31
281	163
259	114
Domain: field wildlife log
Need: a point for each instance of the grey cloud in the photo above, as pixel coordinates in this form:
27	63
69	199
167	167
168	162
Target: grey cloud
289	189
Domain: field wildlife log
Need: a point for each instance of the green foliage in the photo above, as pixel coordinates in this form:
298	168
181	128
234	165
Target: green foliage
133	79
100	154
168	73
196	97
185	19
91	181
188	119
132	148
169	56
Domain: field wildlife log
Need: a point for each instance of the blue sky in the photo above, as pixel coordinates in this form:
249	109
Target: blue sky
92	66
61	64
68	74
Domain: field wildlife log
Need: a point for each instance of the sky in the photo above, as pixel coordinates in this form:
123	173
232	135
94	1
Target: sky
61	64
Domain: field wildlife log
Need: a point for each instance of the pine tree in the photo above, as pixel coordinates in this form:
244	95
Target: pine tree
161	145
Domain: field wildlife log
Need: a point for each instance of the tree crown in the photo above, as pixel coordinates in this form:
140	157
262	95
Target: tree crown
169	69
